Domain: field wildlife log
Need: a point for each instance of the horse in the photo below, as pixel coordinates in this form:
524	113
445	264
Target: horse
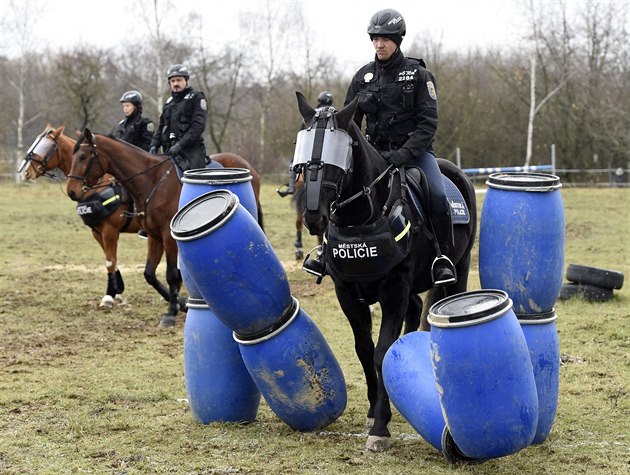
155	187
350	188
53	150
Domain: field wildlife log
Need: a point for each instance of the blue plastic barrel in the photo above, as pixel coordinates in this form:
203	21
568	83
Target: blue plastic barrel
198	181
541	336
296	372
231	262
484	374
218	385
521	239
410	384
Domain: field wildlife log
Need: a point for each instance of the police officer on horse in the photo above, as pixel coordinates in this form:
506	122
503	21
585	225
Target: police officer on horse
398	98
182	122
134	128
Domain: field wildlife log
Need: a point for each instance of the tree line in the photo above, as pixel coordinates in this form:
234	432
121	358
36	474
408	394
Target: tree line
567	85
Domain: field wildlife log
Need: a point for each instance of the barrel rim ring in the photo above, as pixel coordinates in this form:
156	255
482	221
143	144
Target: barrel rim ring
283	322
201	231
442	321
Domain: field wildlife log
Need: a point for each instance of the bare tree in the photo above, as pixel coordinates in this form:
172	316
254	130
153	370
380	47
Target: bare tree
19	25
82	82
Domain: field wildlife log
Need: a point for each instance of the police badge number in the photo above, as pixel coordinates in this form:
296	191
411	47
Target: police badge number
431	89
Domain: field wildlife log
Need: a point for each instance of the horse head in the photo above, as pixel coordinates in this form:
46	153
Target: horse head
88	166
330	152
43	155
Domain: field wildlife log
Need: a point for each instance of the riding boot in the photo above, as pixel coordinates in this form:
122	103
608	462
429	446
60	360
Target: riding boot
142	234
290	189
442	270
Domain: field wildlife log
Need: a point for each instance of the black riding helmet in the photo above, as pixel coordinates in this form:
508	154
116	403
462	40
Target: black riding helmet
177	70
132	96
387	23
325	98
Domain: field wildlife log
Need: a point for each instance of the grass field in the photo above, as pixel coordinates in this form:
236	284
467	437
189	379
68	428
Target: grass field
84	390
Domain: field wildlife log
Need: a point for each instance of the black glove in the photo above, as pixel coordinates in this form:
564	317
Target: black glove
393	157
153	150
175	149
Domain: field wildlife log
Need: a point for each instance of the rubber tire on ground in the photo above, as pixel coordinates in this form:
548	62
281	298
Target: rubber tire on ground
590	293
609	279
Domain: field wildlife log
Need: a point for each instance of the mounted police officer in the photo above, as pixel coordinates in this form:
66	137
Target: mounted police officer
182	122
324	99
134	128
398	98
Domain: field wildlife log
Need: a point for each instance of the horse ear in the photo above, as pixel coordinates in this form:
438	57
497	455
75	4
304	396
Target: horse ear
345	115
305	109
58	131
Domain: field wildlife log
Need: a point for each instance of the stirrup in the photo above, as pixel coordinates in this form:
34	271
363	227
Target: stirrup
316	265
142	234
443	271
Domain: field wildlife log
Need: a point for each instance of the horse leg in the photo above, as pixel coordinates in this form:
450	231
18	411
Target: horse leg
107	301
174	280
360	319
260	215
394	308
299	252
110	235
154	255
413	315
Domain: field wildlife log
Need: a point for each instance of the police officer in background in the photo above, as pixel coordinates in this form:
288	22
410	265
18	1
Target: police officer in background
398	98
134	128
324	99
182	122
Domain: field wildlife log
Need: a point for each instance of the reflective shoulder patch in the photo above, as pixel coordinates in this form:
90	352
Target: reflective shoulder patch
431	89
169	99
204	104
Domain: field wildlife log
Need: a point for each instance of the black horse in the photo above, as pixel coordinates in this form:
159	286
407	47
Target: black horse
351	191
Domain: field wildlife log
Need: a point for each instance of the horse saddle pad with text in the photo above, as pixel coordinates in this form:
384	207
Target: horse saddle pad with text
101	205
456	202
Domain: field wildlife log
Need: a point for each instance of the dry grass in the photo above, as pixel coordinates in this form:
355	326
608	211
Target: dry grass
89	391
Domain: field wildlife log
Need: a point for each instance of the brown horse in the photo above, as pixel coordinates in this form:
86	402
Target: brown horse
53	150
155	187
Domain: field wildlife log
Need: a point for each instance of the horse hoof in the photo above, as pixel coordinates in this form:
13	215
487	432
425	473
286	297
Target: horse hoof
168	321
377	443
299	254
107	302
120	300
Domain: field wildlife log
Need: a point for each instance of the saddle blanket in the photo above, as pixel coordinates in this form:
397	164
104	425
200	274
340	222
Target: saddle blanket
457	204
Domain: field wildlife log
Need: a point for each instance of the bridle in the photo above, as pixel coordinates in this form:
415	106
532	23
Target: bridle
322	147
45	145
85	184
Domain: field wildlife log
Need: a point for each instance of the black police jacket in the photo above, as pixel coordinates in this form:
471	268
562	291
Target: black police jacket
398	99
183	120
136	130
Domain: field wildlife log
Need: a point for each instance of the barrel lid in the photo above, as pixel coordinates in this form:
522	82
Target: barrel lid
524	181
469	308
537	318
216	176
203	214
